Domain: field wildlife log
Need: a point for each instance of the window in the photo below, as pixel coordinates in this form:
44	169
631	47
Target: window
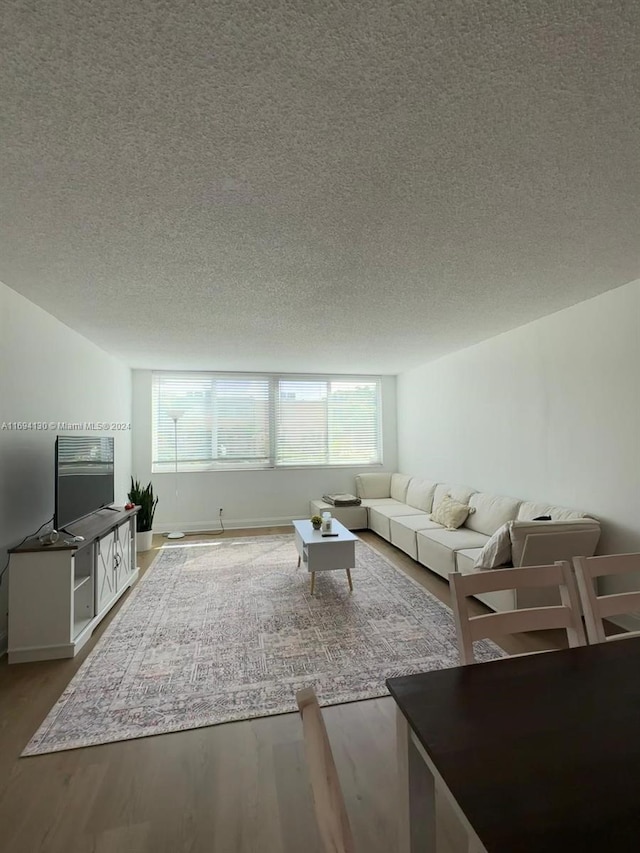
232	421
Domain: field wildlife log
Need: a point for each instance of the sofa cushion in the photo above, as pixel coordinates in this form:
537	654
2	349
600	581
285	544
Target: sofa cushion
451	514
399	485
497	551
503	599
368	502
419	521
528	510
491	512
379	517
420	494
458	493
403	531
393	510
373	485
437	548
466	559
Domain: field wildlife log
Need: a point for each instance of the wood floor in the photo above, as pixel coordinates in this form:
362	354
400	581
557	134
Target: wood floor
234	788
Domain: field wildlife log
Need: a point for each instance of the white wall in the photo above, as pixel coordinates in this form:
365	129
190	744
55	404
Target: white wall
248	498
48	373
549	411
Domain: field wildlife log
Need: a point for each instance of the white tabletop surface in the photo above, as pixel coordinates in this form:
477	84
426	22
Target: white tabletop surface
309	535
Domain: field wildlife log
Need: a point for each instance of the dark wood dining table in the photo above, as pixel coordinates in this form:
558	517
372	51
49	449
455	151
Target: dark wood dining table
536	753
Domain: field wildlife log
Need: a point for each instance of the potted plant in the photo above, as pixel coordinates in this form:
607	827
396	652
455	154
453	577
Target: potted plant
316	521
144	498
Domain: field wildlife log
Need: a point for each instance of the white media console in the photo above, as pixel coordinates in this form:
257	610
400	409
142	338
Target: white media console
59	593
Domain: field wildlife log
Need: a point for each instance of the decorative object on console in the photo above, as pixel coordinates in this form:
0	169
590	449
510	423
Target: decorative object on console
144	498
451	514
49	537
316	521
175	415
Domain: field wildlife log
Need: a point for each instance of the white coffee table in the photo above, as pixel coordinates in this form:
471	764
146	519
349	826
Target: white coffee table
325	553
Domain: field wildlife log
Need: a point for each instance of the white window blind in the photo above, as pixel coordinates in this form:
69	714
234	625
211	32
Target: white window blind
260	421
222	421
327	422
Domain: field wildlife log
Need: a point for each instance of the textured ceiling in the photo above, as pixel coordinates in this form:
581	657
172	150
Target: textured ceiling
316	184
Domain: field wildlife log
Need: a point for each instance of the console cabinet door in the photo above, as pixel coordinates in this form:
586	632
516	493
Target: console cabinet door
122	558
105	571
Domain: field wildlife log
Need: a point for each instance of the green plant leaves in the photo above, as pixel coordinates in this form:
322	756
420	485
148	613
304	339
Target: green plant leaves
144	498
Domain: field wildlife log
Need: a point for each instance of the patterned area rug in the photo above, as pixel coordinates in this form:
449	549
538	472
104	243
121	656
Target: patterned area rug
227	630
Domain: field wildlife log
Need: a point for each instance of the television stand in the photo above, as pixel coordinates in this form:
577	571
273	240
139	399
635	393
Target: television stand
59	593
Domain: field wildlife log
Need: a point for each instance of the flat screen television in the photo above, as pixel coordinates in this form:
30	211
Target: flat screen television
83	476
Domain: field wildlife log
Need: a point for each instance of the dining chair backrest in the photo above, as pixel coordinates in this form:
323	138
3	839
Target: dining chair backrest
330	809
493	625
598	607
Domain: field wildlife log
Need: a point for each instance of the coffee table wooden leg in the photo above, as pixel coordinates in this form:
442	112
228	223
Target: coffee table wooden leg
349	579
313	581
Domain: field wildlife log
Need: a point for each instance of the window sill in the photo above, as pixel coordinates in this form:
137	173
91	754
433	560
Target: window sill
217	469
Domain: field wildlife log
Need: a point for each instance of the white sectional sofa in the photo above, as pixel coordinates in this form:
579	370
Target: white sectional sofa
398	507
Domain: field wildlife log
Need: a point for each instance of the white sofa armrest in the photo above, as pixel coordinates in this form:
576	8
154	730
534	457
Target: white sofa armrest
539	543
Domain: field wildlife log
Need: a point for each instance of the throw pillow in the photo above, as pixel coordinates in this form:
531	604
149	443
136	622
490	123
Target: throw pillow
451	514
497	551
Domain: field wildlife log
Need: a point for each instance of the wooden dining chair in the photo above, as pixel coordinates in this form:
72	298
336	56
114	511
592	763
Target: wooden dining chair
492	625
331	812
598	607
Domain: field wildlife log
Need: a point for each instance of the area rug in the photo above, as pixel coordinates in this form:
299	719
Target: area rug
228	630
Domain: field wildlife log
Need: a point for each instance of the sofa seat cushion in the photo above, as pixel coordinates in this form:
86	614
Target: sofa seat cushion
529	510
420	521
379	517
420	494
437	548
491	512
503	599
465	560
403	531
353	517
373	485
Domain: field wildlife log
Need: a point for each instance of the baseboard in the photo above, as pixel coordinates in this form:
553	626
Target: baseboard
29	655
235	524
